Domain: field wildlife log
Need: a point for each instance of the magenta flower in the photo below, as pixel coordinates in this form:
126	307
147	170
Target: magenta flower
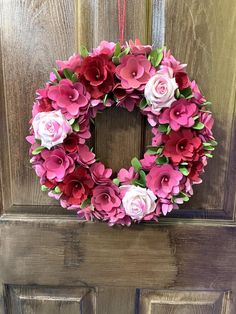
106	199
148	161
134	71
85	157
136	48
72	99
166	206
157	138
100	174
164	180
180	113
169	61
197	95
73	63
208	121
105	47
56	164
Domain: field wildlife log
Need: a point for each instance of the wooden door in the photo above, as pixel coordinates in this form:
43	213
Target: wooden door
52	263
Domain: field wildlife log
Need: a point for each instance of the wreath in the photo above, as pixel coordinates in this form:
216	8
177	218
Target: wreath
129	76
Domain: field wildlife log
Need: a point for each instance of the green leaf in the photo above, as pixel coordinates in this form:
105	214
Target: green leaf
56	74
209	155
198	126
183	196
213	143
116	181
84	52
105	99
142	178
115	60
186	93
156	56
71	121
74	78
162	160
177	93
184	171
124	52
86	203
206	103
184	163
44	188
163	128
37	150
136	164
154	150
68	74
195	117
143	103
57	190
76	127
117	49
209	148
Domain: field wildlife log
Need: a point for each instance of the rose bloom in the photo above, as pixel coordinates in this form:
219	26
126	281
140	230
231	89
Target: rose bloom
160	91
136	48
56	164
106	199
51	128
100	174
183	146
138	202
164	180
97	74
134	71
72	99
76	187
179	114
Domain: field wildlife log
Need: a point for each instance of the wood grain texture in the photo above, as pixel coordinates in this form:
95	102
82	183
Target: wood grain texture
183	302
194	34
33	35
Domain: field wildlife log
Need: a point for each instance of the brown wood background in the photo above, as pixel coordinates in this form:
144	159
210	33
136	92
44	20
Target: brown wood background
55	264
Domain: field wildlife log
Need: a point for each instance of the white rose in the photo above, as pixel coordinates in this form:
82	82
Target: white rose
160	90
138	202
51	128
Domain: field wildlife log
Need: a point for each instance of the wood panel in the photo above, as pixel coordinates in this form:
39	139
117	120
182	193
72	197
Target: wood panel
49	300
33	35
183	302
194	34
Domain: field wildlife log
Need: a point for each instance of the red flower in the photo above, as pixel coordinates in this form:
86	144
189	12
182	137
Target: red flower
196	168
182	80
183	146
77	186
97	74
71	143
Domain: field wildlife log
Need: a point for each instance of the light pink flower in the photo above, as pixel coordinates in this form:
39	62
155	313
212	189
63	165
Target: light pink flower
51	128
72	64
169	61
72	99
197	95
56	164
166	206
106	199
164	180
180	114
148	161
136	48
104	47
127	176
160	91
138	202
134	71
84	156
100	174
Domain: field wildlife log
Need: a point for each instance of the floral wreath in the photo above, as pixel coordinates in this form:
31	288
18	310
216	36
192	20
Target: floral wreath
128	76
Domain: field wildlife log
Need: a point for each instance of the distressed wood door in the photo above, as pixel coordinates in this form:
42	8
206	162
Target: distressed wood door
52	263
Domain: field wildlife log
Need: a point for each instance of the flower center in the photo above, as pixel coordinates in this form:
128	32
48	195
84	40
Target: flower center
165	179
59	161
177	113
134	74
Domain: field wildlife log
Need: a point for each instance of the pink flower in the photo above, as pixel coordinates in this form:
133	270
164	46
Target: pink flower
106	199
166	206
84	128
169	61
56	164
51	128
84	213
85	157
134	71
72	99
179	114
148	161
138	202
157	138
160	91
127	176
100	174
197	95
104	47
208	121
136	48
72	64
164	180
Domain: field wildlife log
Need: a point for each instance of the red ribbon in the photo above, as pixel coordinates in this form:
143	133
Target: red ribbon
121	19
